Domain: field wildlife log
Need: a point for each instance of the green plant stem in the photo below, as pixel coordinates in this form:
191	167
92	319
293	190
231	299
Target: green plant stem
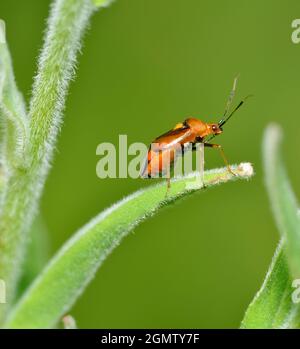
69	272
37	254
66	24
14	135
13	119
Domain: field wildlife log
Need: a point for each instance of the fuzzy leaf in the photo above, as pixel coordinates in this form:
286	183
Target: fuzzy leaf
69	272
283	201
274	306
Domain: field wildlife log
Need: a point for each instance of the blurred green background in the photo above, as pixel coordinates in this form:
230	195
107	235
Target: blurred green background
147	65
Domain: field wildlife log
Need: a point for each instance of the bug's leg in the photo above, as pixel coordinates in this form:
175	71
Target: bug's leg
201	161
200	148
168	185
218	146
168	174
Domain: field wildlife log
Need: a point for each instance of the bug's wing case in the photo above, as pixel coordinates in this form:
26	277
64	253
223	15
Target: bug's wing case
168	139
170	142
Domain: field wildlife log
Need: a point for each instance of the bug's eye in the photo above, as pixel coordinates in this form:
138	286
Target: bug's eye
214	128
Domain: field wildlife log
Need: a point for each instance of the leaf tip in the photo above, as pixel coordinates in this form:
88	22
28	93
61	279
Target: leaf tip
102	3
69	322
2	32
270	147
273	130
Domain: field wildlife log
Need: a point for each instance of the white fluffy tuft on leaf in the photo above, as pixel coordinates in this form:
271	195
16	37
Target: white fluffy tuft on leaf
246	169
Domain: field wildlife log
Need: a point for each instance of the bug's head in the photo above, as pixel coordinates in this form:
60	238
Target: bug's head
215	129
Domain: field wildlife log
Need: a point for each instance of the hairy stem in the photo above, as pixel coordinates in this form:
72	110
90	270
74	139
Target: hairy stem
66	24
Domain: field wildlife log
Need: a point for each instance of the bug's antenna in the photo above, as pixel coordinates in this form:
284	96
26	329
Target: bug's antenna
231	96
223	121
225	118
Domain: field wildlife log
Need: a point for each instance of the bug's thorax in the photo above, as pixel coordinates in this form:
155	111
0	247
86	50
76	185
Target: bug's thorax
202	129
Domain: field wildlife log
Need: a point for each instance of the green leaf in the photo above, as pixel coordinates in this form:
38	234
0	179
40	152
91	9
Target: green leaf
66	276
273	306
283	201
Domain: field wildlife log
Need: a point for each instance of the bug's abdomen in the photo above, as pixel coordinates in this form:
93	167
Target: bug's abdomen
159	163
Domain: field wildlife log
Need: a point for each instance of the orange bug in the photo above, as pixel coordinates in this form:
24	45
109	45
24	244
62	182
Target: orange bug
163	150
